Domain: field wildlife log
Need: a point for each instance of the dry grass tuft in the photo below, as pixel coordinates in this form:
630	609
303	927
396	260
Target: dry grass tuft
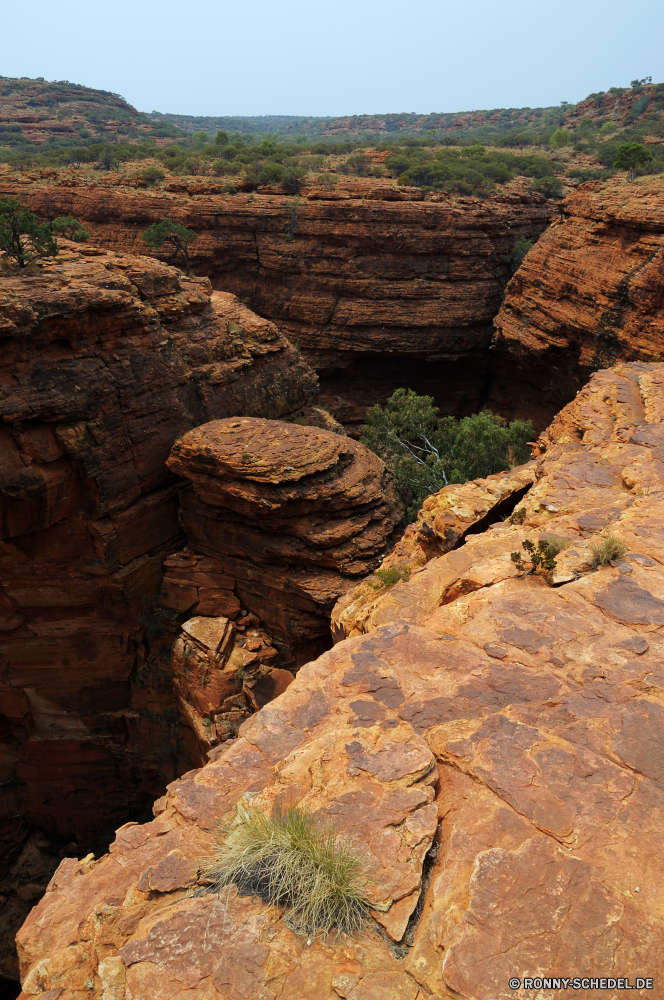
286	860
607	549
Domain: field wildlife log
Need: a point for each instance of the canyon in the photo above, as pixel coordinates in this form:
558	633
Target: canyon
376	286
161	591
106	359
489	737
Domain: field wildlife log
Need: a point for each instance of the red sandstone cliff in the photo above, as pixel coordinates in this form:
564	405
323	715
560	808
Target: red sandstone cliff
514	725
590	292
105	360
377	291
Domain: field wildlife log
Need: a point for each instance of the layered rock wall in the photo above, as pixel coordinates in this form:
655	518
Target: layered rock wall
105	360
590	292
494	749
292	514
377	287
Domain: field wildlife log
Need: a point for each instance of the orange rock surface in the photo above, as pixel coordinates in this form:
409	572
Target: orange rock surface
375	292
291	514
589	293
496	751
105	360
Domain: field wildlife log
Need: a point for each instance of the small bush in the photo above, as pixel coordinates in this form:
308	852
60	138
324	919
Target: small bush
518	517
151	175
286	860
605	550
542	556
388	577
550	187
559	139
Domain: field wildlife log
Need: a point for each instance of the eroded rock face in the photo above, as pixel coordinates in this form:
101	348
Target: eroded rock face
291	514
377	287
105	360
223	671
517	726
589	293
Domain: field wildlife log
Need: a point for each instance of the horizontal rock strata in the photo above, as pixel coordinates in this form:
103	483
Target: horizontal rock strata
377	293
515	725
589	293
290	514
105	360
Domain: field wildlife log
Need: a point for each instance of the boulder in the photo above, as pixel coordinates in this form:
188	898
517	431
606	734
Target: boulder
291	513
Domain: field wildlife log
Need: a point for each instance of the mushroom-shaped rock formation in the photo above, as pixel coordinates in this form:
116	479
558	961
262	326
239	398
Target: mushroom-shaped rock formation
293	514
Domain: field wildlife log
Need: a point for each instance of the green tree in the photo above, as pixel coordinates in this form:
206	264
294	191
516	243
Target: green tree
221	139
426	452
630	156
519	251
172	235
69	227
151	175
550	187
22	237
559	139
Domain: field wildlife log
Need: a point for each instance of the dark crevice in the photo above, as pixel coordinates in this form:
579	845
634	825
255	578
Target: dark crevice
499	512
401	949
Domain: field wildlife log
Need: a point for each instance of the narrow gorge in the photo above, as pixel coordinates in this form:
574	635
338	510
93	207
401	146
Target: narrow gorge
191	613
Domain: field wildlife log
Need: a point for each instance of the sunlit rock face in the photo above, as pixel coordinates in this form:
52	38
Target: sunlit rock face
511	721
589	293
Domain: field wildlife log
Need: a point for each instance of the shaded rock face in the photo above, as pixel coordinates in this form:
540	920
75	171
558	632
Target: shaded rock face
105	360
223	671
589	293
377	293
291	514
515	727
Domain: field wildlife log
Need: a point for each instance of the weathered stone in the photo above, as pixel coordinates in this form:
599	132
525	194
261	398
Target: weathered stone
292	512
378	287
105	360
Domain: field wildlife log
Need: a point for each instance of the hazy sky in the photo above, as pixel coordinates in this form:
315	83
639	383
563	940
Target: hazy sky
215	57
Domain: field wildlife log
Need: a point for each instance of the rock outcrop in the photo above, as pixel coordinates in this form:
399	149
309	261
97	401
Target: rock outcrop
291	514
493	741
377	292
105	360
590	292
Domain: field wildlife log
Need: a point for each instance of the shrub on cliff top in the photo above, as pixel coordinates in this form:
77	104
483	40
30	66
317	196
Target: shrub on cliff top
22	237
630	156
607	549
72	229
290	861
426	452
173	236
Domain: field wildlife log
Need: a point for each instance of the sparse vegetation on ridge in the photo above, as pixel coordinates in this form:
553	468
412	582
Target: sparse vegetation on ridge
290	861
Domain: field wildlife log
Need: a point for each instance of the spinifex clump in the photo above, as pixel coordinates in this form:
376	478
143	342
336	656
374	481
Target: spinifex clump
287	860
